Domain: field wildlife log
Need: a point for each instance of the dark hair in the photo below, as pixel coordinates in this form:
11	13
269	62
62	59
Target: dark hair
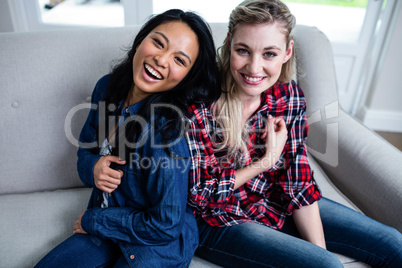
201	84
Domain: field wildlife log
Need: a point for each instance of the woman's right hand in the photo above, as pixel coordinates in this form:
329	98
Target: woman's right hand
106	178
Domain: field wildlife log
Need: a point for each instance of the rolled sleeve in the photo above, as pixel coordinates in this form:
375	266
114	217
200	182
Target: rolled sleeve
211	185
298	182
305	197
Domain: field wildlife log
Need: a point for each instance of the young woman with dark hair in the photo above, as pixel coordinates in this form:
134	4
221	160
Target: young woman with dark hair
137	215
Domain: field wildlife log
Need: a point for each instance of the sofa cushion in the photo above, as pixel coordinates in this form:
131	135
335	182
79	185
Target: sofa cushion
328	189
37	222
33	224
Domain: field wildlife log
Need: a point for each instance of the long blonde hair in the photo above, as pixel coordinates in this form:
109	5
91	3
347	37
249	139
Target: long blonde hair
228	110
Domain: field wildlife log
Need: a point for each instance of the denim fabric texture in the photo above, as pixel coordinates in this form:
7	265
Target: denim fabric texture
347	232
147	223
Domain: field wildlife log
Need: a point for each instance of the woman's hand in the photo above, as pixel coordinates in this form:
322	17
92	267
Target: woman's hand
106	178
275	139
77	226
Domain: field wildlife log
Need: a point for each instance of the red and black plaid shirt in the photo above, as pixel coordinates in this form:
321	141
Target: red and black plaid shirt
273	194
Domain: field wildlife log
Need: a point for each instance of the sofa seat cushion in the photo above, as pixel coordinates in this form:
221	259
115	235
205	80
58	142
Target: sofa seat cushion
35	223
38	222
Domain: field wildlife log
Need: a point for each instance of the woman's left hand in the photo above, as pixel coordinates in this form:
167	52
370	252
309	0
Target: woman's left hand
77	225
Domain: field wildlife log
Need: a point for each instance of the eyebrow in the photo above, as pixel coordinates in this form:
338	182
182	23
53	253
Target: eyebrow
167	41
265	48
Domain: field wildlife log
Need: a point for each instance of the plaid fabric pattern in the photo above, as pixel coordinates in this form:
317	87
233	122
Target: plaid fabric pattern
273	194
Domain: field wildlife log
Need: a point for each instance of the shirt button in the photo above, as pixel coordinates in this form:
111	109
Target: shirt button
127	110
132	257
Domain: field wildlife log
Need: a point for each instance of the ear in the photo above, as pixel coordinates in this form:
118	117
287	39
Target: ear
289	51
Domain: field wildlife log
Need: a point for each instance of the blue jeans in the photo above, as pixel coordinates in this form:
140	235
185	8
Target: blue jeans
82	250
346	232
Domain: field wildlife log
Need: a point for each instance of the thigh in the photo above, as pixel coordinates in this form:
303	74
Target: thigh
82	251
353	234
255	245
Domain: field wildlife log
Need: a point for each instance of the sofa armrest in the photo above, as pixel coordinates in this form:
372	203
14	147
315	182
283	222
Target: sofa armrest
365	167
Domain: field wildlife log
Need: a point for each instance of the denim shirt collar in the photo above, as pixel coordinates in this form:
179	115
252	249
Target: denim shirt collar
130	110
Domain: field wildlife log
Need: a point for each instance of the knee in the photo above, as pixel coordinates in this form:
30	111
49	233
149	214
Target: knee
331	261
320	258
394	235
392	244
328	260
390	239
388	247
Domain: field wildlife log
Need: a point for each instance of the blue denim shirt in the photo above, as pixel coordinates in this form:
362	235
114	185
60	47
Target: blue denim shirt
147	215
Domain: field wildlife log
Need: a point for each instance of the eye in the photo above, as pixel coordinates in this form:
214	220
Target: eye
270	54
158	43
180	61
242	51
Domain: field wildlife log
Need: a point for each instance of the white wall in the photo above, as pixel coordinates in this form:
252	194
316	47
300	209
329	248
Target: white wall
383	107
6	23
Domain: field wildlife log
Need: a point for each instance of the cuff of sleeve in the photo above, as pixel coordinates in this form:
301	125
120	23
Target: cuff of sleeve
306	197
89	164
213	194
88	221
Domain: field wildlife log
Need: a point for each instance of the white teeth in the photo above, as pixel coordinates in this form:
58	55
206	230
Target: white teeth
152	71
253	79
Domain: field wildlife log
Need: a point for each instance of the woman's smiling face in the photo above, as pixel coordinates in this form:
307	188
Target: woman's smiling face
258	52
163	58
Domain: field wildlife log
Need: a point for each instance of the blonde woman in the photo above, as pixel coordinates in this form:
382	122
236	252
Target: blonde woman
251	185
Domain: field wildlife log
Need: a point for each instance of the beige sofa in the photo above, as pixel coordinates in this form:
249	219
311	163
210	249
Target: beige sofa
46	80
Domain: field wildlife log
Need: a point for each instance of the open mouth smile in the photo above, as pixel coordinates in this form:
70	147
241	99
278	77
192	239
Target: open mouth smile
252	80
152	72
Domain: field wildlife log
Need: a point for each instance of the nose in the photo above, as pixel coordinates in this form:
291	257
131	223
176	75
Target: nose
161	59
254	64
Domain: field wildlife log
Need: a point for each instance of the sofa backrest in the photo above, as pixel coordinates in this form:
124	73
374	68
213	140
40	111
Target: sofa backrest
316	76
315	68
44	76
48	75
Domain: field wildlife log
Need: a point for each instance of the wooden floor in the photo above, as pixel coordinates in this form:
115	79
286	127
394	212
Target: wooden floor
393	137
